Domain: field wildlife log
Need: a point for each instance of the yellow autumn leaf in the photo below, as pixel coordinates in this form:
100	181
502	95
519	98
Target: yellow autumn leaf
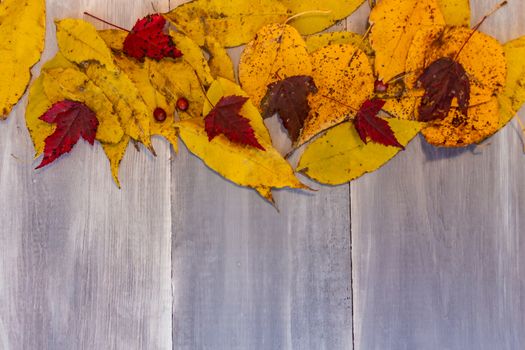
220	62
194	56
339	156
232	22
310	23
513	95
79	42
115	153
38	103
344	78
487	75
278	52
22	29
243	165
72	84
455	12
394	24
318	41
456	130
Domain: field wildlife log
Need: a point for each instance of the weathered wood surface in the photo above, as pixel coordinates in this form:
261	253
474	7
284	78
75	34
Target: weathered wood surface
438	240
182	259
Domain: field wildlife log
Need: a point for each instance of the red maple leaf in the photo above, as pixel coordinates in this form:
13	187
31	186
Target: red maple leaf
443	80
147	39
370	127
225	119
73	119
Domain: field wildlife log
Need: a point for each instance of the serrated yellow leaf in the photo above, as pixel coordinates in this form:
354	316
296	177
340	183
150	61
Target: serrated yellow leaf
278	52
487	75
115	153
22	29
310	23
232	22
243	165
194	56
72	84
344	79
79	42
513	95
394	24
455	12
340	156
220	62
38	103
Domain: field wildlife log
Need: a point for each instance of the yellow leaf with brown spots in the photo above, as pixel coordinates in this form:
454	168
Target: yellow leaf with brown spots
220	62
22	29
278	52
394	24
344	78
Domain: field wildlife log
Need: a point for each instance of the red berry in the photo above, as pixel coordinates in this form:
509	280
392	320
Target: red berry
159	114
379	86
183	104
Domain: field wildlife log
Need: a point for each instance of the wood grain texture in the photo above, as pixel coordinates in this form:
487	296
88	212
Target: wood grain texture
438	247
83	265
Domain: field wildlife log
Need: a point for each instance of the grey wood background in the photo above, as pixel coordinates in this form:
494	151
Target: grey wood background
427	253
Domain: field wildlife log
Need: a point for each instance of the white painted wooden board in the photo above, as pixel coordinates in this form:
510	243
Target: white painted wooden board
438	240
83	265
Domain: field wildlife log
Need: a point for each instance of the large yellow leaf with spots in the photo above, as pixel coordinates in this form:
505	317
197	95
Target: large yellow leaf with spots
232	22
455	12
344	78
513	95
310	23
79	42
22	29
243	165
278	52
340	156
394	24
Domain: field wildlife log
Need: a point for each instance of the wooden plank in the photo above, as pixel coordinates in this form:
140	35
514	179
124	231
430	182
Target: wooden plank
83	264
249	277
438	248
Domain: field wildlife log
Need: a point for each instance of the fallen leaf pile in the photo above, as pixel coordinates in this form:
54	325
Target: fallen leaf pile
348	102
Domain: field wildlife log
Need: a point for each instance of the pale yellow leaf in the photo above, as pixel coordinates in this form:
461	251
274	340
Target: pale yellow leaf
455	12
22	29
513	95
318	41
220	62
115	153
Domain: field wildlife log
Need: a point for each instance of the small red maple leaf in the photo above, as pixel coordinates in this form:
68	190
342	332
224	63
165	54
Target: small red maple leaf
147	39
443	80
225	119
370	127
73	119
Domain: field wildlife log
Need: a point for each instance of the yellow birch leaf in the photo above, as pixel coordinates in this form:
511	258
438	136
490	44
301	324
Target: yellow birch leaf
126	99
232	22
513	95
175	80
455	12
220	62
278	52
310	23
394	24
318	41
482	58
339	156
344	79
22	29
456	130
194	56
79	42
38	103
72	84
243	165
115	153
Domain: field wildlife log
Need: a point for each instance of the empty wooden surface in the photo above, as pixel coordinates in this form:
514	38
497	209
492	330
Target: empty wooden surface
426	253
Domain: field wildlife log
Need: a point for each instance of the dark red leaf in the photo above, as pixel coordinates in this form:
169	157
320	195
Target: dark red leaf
147	39
370	127
225	119
289	98
443	80
73	119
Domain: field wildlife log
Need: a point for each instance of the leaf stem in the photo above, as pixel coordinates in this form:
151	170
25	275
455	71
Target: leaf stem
106	22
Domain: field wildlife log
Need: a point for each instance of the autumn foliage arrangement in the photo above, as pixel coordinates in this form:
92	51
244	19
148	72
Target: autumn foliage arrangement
348	102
